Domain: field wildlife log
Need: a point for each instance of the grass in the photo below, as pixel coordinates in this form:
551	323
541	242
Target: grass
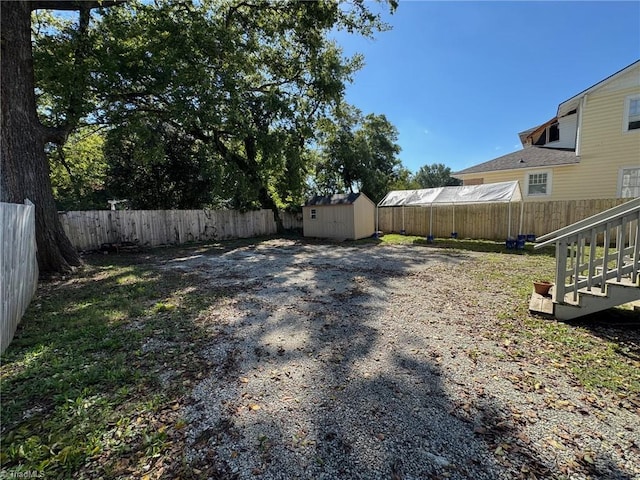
87	386
80	381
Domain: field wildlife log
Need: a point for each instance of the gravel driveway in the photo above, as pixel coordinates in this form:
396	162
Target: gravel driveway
343	362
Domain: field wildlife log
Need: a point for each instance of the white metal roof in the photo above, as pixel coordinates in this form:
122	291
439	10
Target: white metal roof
486	193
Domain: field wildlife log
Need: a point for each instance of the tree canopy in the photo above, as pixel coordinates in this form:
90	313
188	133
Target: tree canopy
223	95
229	89
436	175
358	153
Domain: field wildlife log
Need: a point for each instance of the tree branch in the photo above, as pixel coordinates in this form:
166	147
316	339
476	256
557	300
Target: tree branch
74	5
57	135
74	109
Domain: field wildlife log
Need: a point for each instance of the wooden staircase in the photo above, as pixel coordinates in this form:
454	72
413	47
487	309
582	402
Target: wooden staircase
597	263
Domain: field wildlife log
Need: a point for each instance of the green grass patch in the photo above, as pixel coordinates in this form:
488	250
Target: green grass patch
455	244
81	394
600	351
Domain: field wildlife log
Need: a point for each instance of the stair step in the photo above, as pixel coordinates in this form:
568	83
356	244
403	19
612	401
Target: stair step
598	291
595	291
540	304
624	282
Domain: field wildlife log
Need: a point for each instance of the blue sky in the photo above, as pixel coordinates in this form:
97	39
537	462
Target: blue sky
460	79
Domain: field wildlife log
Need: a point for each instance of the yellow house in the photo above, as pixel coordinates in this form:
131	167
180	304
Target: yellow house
589	150
341	217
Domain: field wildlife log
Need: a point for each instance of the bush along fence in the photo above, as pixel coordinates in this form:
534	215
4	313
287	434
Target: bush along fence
18	267
490	221
89	230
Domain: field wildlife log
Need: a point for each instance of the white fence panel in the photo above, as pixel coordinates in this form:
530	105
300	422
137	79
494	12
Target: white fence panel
18	267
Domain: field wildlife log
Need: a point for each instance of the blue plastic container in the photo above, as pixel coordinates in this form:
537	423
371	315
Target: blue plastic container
429	238
454	235
531	238
510	243
520	243
403	232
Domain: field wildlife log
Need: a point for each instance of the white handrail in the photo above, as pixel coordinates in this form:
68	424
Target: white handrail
623	209
578	265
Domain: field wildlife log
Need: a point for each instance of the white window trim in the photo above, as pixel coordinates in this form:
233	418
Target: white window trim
537	172
627	103
628	167
314	214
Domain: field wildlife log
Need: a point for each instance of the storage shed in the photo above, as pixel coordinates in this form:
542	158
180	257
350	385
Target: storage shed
342	217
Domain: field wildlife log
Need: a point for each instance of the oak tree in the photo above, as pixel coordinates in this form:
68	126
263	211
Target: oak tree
24	168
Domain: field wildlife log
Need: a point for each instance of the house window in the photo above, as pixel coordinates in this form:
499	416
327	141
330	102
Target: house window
313	214
538	184
554	133
632	113
629	182
549	134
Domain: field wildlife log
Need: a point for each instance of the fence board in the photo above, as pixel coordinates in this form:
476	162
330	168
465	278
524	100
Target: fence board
89	230
18	267
490	221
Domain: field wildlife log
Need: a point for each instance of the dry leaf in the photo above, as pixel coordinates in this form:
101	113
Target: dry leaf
556	444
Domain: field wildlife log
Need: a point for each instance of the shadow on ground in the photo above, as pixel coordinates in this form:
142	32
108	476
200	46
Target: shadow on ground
616	325
185	363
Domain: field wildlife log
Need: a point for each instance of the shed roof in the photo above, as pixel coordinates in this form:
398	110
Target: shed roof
338	199
528	157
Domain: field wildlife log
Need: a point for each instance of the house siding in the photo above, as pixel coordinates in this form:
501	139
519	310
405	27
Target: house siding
568	128
561	181
606	146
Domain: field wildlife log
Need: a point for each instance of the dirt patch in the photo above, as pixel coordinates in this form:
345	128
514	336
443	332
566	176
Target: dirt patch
378	362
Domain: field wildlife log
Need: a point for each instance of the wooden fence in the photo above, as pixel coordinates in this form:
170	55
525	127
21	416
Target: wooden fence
89	230
490	221
18	266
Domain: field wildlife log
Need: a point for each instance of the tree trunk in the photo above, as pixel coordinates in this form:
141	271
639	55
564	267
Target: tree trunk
251	170
267	202
24	168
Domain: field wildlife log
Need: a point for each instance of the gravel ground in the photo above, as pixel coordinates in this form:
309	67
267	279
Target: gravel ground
377	363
